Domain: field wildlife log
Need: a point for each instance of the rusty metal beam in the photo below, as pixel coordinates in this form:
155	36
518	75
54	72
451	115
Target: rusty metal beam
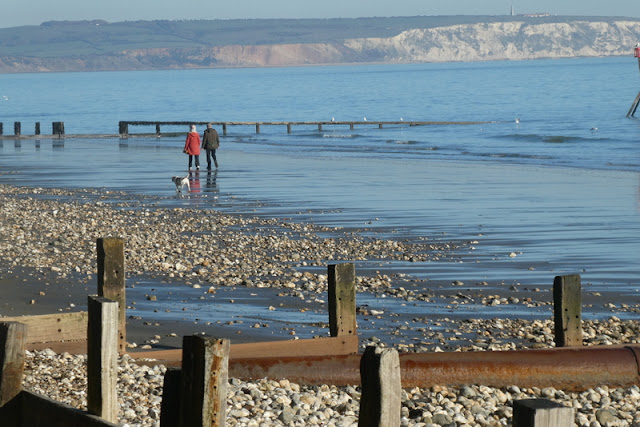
346	344
565	368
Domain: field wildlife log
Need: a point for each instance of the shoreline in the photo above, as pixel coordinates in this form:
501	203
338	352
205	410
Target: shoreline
241	300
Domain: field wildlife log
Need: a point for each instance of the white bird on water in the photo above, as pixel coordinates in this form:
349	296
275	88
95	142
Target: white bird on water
517	119
365	119
333	119
401	119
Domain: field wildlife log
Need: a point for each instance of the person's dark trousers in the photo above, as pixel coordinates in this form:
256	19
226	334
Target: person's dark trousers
197	160
211	154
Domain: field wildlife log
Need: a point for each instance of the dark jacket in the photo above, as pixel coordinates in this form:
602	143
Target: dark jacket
210	139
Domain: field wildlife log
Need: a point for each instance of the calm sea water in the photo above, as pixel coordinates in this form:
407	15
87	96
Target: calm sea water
560	189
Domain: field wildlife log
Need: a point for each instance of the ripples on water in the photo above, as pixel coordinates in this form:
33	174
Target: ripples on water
560	187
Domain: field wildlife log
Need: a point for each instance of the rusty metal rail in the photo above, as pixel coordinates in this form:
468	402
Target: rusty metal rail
570	368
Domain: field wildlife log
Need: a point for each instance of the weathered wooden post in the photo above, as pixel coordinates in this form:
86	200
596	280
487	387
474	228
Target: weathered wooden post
257	127
102	358
634	106
342	299
111	278
17	128
351	126
205	374
158	129
288	127
1	128
37	128
567	310
224	129
379	125
381	398
319	127
123	129
58	128
541	413
13	339
170	406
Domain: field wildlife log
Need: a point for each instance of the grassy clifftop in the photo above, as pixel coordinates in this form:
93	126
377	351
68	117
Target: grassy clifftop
79	38
99	45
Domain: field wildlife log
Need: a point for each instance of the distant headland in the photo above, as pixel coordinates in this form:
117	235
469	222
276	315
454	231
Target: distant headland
145	45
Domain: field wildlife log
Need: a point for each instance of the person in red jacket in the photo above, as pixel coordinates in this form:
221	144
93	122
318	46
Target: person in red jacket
192	147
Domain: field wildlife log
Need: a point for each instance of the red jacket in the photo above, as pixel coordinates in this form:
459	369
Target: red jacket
192	144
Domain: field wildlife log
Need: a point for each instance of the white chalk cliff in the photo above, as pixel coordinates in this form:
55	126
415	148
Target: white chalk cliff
473	42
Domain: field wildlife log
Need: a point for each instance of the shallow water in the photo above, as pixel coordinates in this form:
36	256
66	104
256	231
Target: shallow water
555	220
560	190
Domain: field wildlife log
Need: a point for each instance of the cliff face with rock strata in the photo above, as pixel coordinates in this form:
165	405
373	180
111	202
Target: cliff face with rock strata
468	42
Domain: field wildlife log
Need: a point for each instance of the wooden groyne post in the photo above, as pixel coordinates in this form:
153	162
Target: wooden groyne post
111	280
381	399
541	413
342	299
567	310
196	395
58	128
634	106
13	338
102	358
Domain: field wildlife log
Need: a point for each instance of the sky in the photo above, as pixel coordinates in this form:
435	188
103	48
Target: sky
34	12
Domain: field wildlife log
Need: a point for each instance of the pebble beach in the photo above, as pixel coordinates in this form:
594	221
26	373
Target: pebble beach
47	247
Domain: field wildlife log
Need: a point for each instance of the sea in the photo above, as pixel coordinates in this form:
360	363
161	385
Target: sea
548	184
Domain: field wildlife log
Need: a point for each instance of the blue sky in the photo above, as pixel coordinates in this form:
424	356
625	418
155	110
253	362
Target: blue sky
34	12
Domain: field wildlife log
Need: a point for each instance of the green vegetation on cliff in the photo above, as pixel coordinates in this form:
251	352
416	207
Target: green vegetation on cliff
59	39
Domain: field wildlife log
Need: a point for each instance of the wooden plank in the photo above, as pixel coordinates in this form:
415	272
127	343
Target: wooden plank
111	280
347	344
72	347
102	358
53	327
381	399
634	106
342	299
204	379
33	410
541	413
567	310
170	405
12	342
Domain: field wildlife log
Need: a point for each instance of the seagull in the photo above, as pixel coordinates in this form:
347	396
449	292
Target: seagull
517	119
365	119
333	119
401	119
594	129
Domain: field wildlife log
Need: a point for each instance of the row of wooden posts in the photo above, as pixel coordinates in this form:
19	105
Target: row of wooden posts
57	128
195	394
123	126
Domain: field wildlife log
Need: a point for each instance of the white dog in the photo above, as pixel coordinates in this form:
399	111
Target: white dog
181	182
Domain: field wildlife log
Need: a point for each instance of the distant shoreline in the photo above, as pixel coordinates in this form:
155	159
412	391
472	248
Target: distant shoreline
169	45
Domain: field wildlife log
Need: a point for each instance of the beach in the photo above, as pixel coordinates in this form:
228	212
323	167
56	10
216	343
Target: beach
50	236
247	277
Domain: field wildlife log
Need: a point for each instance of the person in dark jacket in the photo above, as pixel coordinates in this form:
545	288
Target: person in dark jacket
210	142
